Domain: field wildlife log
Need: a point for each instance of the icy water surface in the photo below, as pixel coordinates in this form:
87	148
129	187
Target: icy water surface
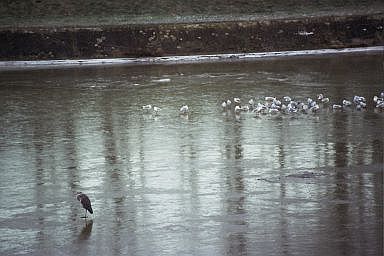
209	183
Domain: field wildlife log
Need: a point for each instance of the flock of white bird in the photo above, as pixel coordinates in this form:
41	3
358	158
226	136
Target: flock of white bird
274	105
184	110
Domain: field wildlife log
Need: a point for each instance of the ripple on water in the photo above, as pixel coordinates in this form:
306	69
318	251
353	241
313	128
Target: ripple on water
211	182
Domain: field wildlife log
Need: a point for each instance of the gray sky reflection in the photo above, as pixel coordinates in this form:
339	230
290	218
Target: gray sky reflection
209	184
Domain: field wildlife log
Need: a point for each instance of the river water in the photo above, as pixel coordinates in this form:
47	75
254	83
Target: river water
206	183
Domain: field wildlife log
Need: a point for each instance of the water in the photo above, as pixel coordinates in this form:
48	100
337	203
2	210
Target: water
210	183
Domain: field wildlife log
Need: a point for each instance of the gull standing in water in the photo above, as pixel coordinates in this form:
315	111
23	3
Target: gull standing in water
156	110
346	103
184	110
379	101
147	108
324	100
287	99
336	106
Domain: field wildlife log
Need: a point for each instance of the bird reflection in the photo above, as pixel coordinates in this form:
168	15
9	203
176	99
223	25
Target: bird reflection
86	231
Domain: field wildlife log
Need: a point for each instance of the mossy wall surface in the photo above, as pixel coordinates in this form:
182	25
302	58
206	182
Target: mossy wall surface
121	12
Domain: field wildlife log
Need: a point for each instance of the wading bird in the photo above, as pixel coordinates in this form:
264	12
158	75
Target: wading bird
184	110
86	203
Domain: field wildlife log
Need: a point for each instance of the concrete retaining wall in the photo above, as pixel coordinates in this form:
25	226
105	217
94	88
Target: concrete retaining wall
190	39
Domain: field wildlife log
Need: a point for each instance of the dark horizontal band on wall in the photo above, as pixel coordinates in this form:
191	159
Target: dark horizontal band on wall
132	41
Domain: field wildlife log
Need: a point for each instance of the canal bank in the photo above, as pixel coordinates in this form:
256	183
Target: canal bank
172	39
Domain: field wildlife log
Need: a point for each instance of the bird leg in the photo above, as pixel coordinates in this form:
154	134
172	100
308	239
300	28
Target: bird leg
85	216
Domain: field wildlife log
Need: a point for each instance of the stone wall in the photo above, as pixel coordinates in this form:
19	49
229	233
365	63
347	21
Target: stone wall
191	38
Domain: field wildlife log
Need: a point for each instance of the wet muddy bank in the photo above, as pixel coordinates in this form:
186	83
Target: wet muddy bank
191	38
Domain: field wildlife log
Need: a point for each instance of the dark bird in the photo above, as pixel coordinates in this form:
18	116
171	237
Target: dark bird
85	202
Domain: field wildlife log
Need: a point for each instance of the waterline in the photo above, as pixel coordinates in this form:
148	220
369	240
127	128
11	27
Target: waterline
11	65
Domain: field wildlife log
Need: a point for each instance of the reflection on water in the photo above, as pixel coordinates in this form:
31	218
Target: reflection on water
86	231
213	183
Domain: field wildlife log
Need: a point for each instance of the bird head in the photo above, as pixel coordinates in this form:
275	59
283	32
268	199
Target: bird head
77	195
